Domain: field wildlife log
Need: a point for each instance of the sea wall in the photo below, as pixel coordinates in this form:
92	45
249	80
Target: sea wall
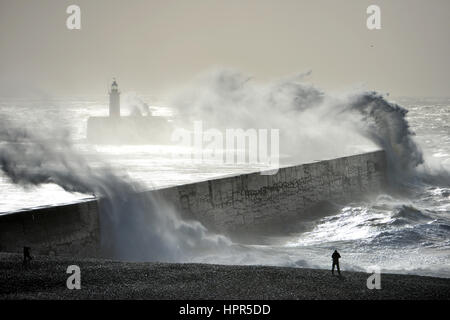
255	202
231	205
128	130
71	229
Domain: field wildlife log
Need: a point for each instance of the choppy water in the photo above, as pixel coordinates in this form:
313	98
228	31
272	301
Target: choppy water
408	233
152	165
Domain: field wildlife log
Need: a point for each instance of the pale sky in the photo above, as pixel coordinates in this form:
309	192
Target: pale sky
152	46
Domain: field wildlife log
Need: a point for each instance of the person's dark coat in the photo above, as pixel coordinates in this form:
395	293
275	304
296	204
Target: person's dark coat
335	256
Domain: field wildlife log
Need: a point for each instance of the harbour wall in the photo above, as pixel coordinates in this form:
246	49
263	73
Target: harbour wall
233	205
71	229
128	130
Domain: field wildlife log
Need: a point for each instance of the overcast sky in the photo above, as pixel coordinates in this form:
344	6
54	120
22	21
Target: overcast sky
152	46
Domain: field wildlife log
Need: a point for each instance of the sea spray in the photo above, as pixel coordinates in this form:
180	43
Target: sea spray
385	123
134	227
313	125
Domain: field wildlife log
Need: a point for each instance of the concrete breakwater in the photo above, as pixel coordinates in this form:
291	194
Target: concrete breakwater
67	229
230	205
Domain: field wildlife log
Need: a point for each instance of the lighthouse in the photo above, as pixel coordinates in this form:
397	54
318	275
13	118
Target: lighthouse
127	129
114	100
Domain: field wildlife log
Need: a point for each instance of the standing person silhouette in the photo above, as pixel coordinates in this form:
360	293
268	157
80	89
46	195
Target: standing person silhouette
335	256
26	256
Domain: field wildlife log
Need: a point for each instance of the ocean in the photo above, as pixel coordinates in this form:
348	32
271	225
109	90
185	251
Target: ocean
405	232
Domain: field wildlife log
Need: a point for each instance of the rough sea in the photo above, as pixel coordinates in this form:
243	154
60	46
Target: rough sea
405	232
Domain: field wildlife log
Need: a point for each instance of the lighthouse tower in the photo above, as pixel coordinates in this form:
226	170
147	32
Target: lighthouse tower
114	100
